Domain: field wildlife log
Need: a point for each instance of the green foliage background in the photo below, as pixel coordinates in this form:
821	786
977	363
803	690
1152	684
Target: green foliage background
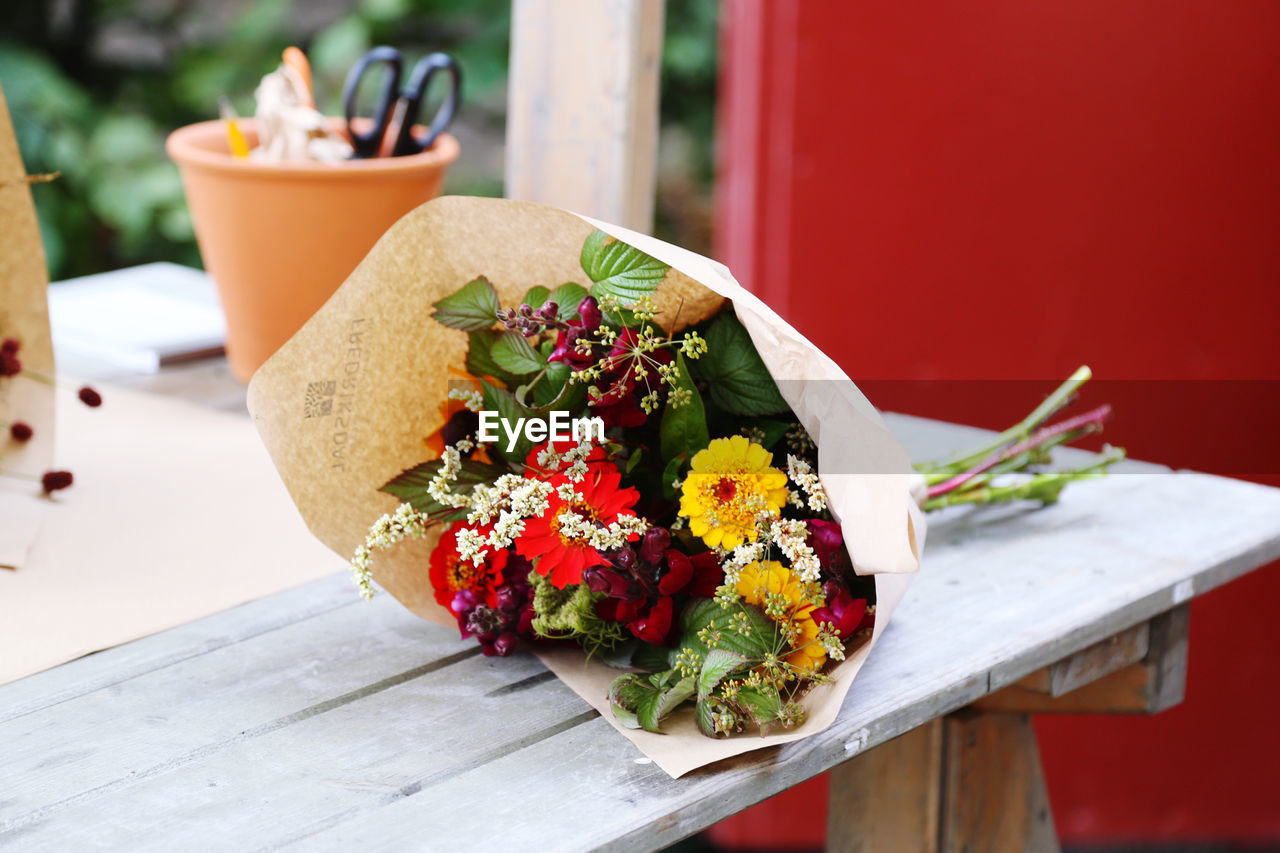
95	86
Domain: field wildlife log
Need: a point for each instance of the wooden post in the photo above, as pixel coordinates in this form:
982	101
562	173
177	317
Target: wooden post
889	797
582	118
966	783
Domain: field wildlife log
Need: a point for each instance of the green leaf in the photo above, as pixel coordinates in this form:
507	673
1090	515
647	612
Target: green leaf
652	658
683	429
480	361
411	486
512	352
536	296
759	637
620	270
706	719
657	705
737	380
555	391
625	695
763	704
473	307
510	411
567	296
633	460
671	473
715	668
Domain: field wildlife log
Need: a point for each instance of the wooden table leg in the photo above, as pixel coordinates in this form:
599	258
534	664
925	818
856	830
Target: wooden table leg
969	782
889	797
972	781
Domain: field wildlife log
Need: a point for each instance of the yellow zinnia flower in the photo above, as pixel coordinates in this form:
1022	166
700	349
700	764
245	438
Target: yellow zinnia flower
757	580
729	485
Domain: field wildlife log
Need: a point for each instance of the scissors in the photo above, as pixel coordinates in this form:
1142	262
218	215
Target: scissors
400	105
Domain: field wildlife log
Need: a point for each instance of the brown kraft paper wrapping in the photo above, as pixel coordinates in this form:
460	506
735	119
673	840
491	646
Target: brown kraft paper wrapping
24	315
346	404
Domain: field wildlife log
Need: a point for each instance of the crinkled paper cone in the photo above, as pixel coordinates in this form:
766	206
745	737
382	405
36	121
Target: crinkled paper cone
24	314
345	405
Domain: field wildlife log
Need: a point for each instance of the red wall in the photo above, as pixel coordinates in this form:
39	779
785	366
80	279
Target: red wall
1004	190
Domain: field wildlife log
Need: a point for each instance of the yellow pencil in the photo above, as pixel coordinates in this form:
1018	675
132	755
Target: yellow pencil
235	139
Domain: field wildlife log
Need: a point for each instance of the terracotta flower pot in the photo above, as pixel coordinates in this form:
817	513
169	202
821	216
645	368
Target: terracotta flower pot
278	238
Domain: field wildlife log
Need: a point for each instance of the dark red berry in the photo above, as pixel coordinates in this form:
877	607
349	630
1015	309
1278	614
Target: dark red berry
10	365
52	481
21	431
90	397
11	346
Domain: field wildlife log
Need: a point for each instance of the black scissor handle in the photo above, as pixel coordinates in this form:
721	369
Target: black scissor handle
415	91
367	144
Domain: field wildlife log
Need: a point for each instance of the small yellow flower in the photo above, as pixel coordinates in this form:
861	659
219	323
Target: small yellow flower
757	580
730	484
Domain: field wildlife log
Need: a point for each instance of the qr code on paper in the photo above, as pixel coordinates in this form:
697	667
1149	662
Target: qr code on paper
319	401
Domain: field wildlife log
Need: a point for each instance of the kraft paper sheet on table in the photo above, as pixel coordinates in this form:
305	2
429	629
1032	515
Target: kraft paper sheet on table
176	513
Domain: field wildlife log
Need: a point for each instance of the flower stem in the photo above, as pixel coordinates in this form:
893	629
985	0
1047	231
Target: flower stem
1061	396
1044	488
1024	452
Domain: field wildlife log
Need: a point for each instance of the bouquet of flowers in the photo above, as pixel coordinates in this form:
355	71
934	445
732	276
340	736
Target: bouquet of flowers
598	447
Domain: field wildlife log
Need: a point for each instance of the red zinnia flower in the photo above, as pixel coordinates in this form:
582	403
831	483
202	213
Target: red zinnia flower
598	500
450	574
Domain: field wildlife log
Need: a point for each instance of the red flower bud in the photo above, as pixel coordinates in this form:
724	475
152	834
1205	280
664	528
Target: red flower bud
505	642
589	311
656	540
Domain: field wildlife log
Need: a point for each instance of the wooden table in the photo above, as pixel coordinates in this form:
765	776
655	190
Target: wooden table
313	719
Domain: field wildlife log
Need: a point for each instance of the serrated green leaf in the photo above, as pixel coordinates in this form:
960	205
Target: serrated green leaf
536	296
410	486
480	357
473	307
625	694
683	429
737	379
715	668
620	270
510	411
512	352
763	704
757	639
657	705
706	719
567	298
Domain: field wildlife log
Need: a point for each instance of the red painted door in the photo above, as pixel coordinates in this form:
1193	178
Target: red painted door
941	194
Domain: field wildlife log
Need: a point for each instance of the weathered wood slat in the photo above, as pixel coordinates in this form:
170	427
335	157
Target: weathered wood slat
173	712
446	754
112	666
356	752
1155	683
